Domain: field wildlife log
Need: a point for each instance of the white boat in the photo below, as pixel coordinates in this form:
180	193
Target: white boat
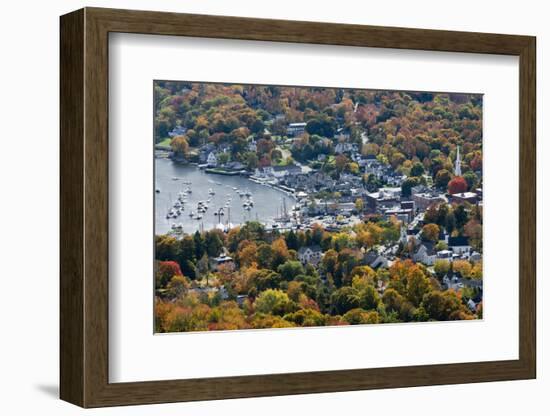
248	193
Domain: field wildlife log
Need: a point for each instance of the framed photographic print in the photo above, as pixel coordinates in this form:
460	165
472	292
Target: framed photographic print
260	207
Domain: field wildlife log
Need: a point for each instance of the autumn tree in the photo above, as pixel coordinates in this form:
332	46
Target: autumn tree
165	271
430	232
442	306
442	267
180	145
457	185
359	205
177	286
280	253
442	178
360	316
463	267
247	253
417	285
273	301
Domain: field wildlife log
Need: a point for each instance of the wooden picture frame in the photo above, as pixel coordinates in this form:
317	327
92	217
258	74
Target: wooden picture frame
84	207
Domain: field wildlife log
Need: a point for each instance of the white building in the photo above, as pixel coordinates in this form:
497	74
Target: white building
212	160
310	254
295	129
459	245
458	168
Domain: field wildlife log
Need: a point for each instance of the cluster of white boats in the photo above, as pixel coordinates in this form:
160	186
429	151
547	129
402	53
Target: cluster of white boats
179	205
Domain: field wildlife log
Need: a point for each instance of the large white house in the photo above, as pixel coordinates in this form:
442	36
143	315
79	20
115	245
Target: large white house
212	160
310	254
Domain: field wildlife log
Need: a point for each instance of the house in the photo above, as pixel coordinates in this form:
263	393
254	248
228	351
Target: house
384	198
310	254
470	197
235	166
345	147
424	200
177	131
212	160
393	178
295	129
455	281
282	171
375	260
424	253
475	256
408	205
252	147
216	262
459	245
342	134
402	214
445	255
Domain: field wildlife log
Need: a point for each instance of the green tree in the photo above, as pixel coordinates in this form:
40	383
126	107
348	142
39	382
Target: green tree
200	247
292	240
187	249
359	316
290	269
407	185
369	298
392	300
417	169
461	216
471	179
265	255
273	301
344	299
213	243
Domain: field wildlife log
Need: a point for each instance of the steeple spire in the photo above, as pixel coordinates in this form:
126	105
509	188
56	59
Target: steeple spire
458	168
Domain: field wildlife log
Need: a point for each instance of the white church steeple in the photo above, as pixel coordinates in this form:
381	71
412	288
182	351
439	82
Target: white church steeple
458	168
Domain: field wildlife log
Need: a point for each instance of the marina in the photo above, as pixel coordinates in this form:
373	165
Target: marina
188	199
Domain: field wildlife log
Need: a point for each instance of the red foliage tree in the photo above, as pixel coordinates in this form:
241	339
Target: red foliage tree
167	270
476	163
457	185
